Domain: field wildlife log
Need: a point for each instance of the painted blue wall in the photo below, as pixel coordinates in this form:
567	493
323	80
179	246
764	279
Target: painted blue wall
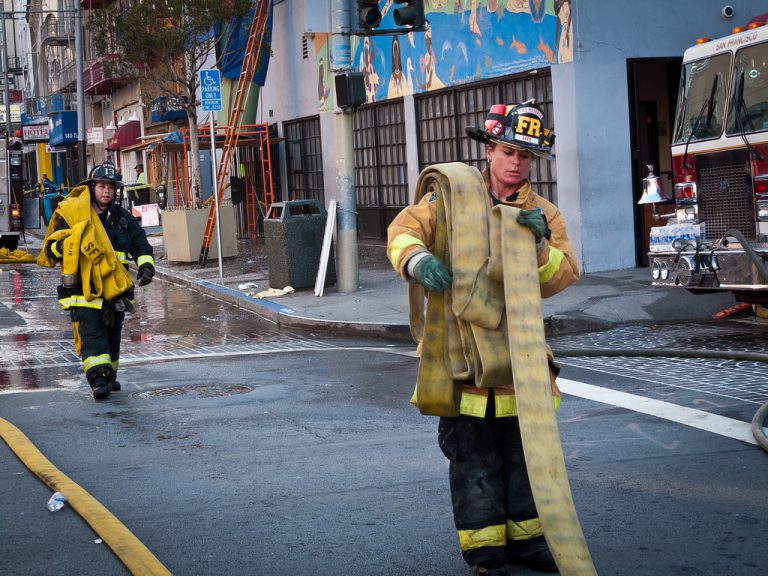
591	95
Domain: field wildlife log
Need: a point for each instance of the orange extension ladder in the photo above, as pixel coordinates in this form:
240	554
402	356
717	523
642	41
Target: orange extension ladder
253	51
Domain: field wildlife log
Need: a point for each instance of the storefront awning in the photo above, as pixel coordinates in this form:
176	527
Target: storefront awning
125	135
145	143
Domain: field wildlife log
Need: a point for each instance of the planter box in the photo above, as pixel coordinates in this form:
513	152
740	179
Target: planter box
183	234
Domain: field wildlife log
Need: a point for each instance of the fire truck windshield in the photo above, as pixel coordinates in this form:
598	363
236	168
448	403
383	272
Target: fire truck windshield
748	111
701	101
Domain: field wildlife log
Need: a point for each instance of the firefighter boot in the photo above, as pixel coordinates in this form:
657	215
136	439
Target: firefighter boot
492	568
100	386
114	385
99	382
533	553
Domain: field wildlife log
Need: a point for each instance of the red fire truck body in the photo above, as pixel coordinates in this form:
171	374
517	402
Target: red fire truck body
717	236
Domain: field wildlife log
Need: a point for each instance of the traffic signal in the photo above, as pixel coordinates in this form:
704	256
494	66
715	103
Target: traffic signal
368	15
410	14
350	89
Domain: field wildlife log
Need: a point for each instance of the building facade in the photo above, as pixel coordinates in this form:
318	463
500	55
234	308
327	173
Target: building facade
606	74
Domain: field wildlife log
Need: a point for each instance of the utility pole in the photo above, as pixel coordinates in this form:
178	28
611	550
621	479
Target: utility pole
81	139
346	228
6	91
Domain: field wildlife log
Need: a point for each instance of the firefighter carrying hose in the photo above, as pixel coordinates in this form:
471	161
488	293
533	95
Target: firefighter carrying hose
92	238
494	510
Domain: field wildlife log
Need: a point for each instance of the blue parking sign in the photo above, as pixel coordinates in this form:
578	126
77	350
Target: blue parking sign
210	89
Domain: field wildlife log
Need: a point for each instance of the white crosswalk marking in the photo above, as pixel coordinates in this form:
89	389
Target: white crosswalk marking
682	415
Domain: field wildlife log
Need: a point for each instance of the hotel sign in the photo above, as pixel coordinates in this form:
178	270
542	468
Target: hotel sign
38	133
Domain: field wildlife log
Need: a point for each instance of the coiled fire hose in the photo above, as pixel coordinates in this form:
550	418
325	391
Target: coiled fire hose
758	421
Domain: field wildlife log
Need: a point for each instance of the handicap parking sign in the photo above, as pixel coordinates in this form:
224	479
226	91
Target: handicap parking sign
210	89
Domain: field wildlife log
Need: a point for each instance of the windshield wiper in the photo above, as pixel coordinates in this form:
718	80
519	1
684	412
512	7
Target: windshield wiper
709	104
739	105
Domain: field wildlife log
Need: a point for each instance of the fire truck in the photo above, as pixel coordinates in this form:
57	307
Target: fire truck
715	234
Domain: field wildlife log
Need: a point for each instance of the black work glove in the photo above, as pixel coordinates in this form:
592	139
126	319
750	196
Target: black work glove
122	304
433	274
145	274
108	313
535	221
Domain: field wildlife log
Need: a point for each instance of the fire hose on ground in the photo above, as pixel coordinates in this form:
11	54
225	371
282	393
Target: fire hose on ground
758	421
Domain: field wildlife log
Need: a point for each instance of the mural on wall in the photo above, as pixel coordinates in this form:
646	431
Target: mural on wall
468	40
325	100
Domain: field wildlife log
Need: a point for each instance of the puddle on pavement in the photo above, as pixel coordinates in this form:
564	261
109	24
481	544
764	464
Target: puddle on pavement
31	379
36	339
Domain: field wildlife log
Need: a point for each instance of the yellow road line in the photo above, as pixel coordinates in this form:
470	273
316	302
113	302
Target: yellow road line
129	549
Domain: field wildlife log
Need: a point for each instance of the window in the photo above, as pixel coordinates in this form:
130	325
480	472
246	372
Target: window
748	110
442	117
304	157
381	168
701	103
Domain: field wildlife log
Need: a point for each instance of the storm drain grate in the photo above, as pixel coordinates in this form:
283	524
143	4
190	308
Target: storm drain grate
195	390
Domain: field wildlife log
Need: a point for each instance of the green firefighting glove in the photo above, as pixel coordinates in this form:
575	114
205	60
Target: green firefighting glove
433	274
145	274
536	222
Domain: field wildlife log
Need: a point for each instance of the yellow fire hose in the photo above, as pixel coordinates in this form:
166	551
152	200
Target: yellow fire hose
538	424
464	339
15	256
129	549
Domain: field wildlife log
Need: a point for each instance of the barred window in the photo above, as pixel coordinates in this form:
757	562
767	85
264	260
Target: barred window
304	159
381	168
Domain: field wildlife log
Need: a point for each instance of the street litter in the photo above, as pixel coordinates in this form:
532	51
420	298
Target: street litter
56	502
273	292
247	285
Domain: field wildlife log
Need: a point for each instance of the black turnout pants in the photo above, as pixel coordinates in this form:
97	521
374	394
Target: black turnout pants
97	344
488	478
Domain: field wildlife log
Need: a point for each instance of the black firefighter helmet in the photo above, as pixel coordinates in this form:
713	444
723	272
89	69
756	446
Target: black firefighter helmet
106	172
519	126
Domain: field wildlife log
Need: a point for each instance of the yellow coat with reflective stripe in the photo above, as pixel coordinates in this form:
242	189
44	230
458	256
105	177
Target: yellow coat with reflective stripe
413	231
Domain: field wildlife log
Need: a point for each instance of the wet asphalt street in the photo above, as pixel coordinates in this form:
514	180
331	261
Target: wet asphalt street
238	449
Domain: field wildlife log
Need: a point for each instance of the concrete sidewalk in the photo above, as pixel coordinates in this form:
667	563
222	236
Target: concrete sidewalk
380	306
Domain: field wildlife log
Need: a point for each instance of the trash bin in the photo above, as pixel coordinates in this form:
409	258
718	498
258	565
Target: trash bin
293	236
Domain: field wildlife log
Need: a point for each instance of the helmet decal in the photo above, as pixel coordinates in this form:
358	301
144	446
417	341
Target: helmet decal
496	117
106	172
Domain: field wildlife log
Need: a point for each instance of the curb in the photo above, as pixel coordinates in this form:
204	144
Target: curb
284	316
558	325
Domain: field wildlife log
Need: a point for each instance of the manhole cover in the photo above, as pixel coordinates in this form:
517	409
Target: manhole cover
196	390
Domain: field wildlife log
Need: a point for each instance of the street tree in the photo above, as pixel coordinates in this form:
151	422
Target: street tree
165	44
